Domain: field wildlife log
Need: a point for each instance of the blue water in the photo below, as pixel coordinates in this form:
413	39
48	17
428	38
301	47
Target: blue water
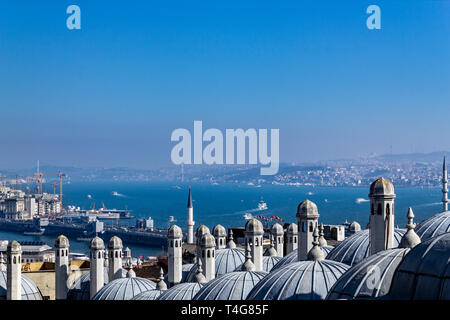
225	204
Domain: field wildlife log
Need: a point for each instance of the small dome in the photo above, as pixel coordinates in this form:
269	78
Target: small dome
29	290
219	231
307	208
97	244
115	243
148	295
62	242
356	247
124	289
382	187
293	257
424	272
292	229
201	230
230	286
354	227
208	241
174	232
434	226
81	288
277	230
227	260
254	226
13	247
301	280
370	278
182	291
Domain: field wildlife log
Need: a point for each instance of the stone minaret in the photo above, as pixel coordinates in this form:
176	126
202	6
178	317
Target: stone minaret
61	267
175	259
115	258
292	238
97	248
307	218
381	223
444	186
207	245
220	234
200	232
254	232
14	271
190	219
277	233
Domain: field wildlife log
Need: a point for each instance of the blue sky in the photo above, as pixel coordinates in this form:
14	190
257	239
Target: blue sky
111	93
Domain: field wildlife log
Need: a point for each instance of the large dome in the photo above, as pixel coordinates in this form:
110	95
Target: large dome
81	288
29	290
370	278
227	260
292	257
356	247
424	273
124	289
434	226
301	280
148	295
182	291
231	286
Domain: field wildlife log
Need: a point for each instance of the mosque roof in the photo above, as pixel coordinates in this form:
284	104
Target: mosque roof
356	247
292	257
148	295
434	226
29	290
124	288
182	291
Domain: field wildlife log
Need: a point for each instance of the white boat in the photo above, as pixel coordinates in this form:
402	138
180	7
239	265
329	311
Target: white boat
115	193
359	200
247	216
262	205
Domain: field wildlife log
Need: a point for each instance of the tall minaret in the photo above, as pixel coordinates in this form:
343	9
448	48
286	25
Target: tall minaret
254	232
444	186
292	238
115	258
208	244
175	259
190	219
61	267
381	222
14	271
307	218
97	248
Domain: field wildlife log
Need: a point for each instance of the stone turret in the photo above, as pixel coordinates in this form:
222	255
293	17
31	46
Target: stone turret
277	233
292	238
307	218
14	271
220	234
97	248
62	270
115	258
207	246
254	232
175	259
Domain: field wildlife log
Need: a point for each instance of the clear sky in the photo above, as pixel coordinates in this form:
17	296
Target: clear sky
111	93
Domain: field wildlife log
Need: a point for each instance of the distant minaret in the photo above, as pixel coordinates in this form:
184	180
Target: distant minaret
97	248
61	267
115	258
14	271
175	258
444	186
190	219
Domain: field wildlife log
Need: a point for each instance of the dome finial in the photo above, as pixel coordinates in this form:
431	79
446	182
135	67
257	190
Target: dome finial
131	273
316	253
231	244
161	285
248	265
322	241
271	252
410	238
200	277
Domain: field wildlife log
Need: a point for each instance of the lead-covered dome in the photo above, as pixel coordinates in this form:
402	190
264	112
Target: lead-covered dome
301	280
382	187
424	273
356	247
307	208
227	260
371	278
231	286
182	291
293	257
124	288
149	295
29	290
434	226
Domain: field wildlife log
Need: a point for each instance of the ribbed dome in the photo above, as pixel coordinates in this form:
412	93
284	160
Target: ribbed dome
356	247
381	186
301	280
175	232
124	289
81	288
370	278
254	226
148	295
29	290
307	208
182	291
227	260
434	226
424	273
292	257
231	286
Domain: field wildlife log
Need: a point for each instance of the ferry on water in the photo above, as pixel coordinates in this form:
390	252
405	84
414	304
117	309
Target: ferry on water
262	205
102	213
